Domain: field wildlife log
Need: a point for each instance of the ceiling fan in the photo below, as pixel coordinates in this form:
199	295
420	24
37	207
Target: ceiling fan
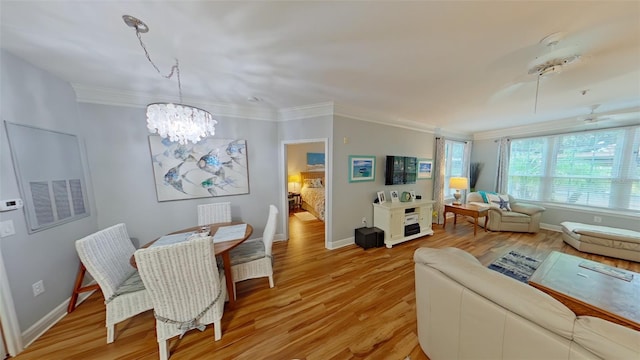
592	118
554	60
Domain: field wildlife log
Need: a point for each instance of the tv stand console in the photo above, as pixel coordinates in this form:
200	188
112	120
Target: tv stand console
403	221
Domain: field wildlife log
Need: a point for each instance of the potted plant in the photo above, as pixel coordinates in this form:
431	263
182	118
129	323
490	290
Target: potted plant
474	173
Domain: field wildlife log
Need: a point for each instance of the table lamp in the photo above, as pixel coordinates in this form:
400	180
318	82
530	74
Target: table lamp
458	183
294	183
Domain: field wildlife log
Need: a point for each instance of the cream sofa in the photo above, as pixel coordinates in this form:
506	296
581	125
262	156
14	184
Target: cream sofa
523	217
466	311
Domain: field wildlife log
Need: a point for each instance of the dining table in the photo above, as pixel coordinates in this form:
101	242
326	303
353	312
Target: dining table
221	248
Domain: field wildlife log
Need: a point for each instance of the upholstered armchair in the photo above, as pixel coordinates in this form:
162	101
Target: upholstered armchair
522	217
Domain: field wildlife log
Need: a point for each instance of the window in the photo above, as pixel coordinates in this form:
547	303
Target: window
454	162
599	168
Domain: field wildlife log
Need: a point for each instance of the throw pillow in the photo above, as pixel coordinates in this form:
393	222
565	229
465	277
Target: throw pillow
499	201
484	195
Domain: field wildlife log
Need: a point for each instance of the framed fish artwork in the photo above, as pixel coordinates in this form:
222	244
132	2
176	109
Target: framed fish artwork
212	167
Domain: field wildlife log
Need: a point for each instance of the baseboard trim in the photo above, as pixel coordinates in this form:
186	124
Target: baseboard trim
342	243
41	326
550	227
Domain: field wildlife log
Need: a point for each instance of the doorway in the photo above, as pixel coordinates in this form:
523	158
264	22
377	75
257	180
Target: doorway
306	190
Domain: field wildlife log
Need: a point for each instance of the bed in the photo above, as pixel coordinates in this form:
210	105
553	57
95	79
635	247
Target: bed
312	192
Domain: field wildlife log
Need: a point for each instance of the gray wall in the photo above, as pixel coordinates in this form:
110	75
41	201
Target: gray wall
30	96
120	162
486	151
352	201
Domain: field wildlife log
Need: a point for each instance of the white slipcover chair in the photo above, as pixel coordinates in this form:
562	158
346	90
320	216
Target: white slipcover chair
186	287
252	259
106	255
214	213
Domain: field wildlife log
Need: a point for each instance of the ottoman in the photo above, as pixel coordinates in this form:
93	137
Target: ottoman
602	240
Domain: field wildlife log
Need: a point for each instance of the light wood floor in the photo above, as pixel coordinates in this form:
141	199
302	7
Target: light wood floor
327	304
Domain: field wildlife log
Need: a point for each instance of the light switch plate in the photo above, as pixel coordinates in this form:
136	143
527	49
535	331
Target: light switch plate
6	228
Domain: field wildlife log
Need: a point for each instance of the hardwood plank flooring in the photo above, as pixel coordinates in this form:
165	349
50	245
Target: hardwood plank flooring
347	303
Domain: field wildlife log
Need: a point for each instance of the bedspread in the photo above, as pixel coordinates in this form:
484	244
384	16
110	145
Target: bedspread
315	198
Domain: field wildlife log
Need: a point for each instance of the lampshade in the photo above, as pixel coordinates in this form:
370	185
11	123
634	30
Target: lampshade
180	123
294	178
294	183
458	183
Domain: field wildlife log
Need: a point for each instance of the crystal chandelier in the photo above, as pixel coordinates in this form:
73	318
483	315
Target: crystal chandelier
178	122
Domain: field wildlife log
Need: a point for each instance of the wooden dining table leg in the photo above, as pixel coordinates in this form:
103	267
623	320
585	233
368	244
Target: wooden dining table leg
226	260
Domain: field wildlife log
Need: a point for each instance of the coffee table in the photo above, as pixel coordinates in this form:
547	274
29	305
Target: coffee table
474	211
588	292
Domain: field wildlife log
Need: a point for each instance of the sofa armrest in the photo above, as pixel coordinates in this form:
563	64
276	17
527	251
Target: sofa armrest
528	209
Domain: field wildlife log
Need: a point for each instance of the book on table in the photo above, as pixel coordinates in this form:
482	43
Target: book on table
173	239
231	232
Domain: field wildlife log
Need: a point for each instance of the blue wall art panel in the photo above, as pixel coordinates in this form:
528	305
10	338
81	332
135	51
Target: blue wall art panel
315	161
212	167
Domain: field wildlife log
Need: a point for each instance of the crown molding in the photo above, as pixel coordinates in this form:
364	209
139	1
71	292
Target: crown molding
306	111
106	96
561	125
380	118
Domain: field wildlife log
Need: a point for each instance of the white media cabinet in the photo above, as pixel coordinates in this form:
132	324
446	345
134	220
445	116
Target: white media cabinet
394	217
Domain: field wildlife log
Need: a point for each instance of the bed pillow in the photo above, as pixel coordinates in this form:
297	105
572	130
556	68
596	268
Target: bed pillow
499	201
313	183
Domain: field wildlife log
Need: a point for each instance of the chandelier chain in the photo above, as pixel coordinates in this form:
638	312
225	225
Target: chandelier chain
174	121
175	69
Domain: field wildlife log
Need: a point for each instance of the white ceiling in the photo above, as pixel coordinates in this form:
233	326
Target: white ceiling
457	66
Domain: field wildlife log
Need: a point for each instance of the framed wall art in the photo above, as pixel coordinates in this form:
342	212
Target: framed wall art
362	168
212	167
425	169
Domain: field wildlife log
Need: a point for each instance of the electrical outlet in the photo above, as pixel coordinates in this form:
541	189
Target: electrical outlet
38	288
364	220
597	219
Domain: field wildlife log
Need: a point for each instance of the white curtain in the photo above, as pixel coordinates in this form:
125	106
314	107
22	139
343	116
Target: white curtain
503	165
438	180
466	166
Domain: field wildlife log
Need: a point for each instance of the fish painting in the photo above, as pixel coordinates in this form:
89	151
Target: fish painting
211	163
216	182
237	151
173	178
212	167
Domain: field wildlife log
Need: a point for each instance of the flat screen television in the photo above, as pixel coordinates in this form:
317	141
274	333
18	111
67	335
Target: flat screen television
400	170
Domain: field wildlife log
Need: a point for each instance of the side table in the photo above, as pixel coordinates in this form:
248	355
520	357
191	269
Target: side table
468	210
295	202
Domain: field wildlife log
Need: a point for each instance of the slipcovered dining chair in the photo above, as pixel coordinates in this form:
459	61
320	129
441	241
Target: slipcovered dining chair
214	213
186	287
106	256
252	259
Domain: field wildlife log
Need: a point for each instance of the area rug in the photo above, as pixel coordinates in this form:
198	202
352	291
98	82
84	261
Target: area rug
516	265
305	216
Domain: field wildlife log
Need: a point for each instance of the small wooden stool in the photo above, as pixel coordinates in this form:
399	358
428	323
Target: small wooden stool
77	288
